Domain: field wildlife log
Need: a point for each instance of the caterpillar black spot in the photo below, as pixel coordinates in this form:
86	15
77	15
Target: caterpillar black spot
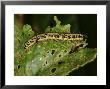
53	36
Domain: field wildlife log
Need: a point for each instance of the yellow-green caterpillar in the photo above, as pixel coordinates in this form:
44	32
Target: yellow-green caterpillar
53	36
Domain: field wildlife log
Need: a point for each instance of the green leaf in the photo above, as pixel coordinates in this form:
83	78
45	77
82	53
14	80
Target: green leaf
58	28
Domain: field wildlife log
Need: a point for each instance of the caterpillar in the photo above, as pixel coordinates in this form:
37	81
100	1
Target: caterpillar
53	36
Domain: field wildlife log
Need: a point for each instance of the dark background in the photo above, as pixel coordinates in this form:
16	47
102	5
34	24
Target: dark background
80	23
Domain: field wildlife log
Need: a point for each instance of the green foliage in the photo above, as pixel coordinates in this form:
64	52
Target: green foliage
20	37
49	57
58	28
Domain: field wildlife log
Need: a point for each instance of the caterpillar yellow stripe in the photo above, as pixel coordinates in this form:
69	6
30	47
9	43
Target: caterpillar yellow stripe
53	36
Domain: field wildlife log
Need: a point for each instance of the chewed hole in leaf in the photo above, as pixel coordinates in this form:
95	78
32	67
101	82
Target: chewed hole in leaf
47	51
29	34
53	70
46	62
60	62
59	55
53	51
18	66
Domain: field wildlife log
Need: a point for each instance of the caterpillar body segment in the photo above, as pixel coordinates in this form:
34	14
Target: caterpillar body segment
56	36
30	42
53	36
